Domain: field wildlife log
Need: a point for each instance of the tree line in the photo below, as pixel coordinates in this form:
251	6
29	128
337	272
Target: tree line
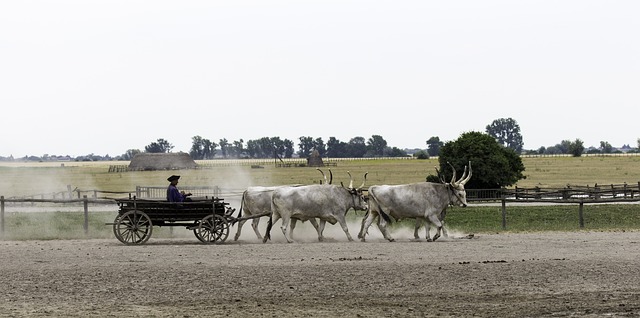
505	131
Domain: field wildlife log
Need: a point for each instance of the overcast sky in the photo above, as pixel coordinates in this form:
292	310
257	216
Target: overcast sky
102	77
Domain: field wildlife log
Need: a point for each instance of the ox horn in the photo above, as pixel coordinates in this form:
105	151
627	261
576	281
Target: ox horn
440	175
465	180
363	181
350	180
323	175
453	178
330	176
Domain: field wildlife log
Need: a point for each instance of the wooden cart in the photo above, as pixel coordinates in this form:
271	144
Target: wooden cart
208	218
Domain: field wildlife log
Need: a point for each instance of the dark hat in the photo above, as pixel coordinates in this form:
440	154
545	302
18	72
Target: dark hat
173	177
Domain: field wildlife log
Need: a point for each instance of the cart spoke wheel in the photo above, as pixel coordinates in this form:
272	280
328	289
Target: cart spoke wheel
213	229
132	227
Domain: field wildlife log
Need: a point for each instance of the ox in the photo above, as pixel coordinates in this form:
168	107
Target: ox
256	202
327	202
424	201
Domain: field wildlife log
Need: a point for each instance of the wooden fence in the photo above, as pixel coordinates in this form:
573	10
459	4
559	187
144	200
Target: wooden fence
614	193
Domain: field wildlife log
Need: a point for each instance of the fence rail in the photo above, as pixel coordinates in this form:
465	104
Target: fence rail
614	193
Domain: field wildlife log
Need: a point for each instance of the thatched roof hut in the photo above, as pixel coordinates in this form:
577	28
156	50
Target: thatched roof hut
162	161
315	160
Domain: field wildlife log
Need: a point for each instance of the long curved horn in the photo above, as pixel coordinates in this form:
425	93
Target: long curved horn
440	176
330	176
351	180
453	178
465	180
363	181
325	177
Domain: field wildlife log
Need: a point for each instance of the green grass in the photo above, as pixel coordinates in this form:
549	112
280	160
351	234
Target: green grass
488	219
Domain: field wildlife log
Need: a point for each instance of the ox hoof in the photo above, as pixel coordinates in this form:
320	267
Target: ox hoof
392	240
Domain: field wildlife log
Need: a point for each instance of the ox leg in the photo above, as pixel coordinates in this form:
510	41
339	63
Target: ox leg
366	223
433	218
343	224
427	227
320	229
292	227
382	224
444	230
285	225
254	225
240	224
417	228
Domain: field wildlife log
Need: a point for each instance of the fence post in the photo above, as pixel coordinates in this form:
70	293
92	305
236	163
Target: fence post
580	214
2	215
504	214
86	215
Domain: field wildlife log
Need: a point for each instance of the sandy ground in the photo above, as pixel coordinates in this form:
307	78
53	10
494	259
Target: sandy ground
581	274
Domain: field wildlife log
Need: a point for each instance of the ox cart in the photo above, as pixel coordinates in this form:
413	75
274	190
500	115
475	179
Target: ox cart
208	218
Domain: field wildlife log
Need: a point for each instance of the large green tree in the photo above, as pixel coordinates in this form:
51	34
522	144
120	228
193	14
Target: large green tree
493	165
507	132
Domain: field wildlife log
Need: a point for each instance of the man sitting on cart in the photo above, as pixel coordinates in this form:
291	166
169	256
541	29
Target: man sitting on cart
173	194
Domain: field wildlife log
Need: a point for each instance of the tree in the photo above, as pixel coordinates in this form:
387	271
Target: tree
576	148
394	152
202	149
493	165
160	146
130	154
288	148
224	147
421	155
434	144
605	147
238	148
376	145
356	148
318	144
507	132
336	148
305	146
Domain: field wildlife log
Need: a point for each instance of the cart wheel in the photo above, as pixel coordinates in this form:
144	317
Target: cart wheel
133	227
212	229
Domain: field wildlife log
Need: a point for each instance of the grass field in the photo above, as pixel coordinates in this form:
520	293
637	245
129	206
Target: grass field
18	179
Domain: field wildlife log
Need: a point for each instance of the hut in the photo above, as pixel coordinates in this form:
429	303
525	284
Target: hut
162	161
315	160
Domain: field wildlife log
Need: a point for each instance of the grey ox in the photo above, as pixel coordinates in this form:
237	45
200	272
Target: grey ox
256	202
326	202
423	201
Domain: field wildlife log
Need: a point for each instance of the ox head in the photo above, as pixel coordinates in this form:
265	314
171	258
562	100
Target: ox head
458	194
357	194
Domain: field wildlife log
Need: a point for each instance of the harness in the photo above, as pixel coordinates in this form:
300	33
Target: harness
455	193
354	193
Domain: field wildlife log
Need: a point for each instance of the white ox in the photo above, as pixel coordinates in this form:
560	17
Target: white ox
256	201
326	202
424	201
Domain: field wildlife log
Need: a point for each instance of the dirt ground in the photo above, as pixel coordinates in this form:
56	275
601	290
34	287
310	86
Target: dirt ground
581	274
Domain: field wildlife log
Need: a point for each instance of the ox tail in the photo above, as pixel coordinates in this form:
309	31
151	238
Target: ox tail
241	204
267	233
383	214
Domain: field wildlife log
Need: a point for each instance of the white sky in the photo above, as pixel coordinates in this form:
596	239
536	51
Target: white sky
102	77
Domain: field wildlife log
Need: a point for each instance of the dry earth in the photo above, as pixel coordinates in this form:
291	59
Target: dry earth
581	274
